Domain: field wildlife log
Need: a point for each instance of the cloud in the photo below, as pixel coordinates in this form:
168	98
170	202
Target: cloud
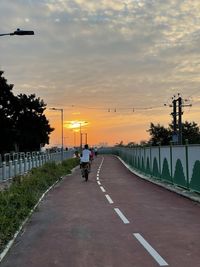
131	52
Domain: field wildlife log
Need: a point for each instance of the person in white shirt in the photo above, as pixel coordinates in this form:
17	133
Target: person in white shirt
85	159
86	154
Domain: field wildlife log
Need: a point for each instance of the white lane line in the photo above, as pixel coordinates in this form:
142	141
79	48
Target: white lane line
98	183
97	178
121	215
151	250
101	162
109	199
102	189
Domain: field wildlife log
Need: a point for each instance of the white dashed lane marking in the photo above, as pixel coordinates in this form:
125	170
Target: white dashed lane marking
141	240
102	189
151	250
109	199
121	215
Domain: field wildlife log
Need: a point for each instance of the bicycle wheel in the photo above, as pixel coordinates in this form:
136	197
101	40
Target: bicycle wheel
86	174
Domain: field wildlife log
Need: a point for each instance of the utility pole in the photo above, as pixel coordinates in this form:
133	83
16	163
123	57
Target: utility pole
85	137
62	151
180	113
177	105
174	114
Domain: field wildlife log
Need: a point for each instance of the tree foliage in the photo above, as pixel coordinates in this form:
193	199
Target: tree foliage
161	135
191	132
24	126
6	107
120	144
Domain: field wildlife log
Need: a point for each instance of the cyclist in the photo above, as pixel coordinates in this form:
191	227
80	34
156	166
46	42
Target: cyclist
95	151
92	155
85	158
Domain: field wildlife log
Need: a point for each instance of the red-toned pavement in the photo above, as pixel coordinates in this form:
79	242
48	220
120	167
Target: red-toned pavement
114	220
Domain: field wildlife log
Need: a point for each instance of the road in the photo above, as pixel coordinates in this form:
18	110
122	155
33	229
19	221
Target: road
116	219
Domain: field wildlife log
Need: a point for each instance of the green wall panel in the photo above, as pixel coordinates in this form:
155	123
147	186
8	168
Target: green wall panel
138	163
148	169
179	177
143	167
195	181
165	171
155	169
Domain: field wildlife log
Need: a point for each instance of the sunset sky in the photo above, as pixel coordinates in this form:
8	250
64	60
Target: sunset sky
110	63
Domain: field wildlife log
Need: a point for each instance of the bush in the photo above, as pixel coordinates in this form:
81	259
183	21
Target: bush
18	200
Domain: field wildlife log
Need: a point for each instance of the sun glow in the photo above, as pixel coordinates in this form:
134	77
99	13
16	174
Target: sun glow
75	124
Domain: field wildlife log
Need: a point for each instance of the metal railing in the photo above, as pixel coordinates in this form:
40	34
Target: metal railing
14	164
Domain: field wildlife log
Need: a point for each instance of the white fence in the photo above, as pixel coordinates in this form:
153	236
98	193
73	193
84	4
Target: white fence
15	164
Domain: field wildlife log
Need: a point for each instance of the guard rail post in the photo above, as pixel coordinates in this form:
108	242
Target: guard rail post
4	170
30	162
25	165
10	169
20	166
15	167
36	161
187	164
33	161
40	160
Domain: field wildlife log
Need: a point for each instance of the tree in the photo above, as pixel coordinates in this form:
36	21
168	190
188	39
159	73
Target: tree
23	124
159	135
162	135
120	144
32	129
131	144
6	122
190	131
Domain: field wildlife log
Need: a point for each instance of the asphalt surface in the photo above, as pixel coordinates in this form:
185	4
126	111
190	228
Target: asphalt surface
116	219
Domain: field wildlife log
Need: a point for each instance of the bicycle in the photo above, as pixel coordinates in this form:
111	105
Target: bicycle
85	169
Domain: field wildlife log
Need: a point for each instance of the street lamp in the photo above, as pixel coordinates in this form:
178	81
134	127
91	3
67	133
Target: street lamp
85	137
81	123
61	110
18	32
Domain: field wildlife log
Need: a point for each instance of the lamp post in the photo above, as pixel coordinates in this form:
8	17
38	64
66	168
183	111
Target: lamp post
74	138
80	123
18	32
61	110
85	137
80	137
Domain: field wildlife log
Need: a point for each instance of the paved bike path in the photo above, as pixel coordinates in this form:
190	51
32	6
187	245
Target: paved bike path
113	220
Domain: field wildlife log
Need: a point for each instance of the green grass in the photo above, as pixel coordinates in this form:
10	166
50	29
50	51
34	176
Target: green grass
18	200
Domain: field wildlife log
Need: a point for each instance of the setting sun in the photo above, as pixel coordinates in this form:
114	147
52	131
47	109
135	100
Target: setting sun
75	124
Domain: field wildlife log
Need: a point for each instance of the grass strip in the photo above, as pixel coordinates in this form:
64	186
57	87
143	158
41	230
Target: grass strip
18	200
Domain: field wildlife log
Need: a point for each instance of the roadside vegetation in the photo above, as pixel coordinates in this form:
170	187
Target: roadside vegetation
24	126
17	201
160	135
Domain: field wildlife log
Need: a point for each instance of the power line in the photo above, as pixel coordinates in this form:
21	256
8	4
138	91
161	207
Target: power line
115	109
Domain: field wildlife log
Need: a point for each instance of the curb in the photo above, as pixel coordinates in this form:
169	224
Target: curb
172	188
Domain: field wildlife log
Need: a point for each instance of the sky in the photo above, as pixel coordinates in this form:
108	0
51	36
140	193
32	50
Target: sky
111	65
